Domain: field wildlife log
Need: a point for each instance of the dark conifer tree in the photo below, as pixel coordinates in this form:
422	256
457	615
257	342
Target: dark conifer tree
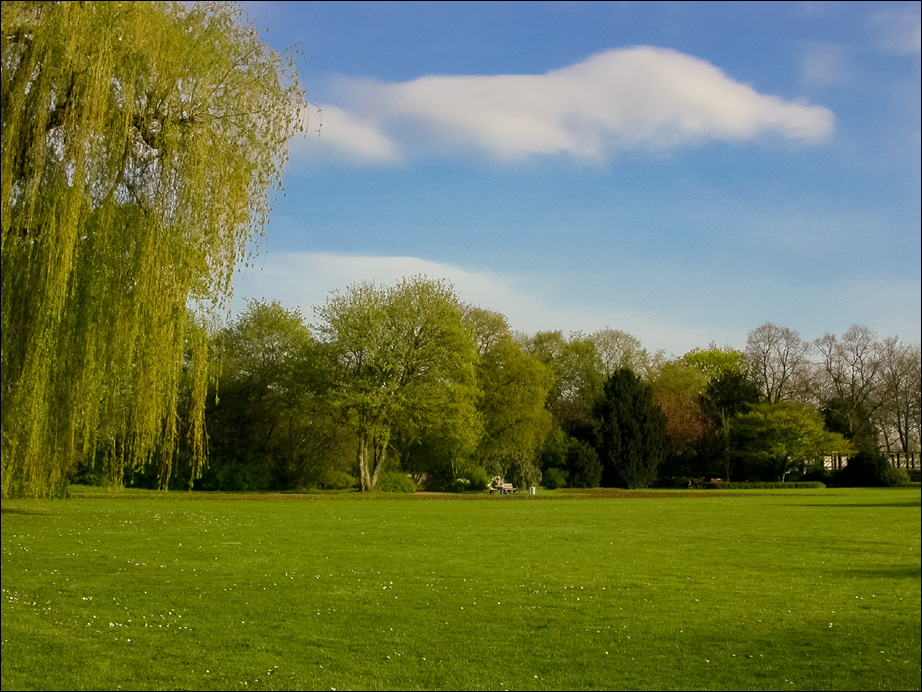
631	433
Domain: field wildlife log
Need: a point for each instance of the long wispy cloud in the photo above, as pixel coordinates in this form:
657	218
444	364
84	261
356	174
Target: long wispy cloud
642	98
308	278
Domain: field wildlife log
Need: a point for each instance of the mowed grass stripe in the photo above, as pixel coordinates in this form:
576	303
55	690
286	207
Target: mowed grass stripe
766	590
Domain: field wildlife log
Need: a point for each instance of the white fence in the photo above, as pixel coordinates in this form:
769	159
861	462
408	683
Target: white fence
900	460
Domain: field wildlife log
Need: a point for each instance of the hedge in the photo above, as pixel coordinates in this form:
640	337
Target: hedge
798	485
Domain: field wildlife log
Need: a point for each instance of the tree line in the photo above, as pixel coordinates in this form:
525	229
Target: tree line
408	380
141	147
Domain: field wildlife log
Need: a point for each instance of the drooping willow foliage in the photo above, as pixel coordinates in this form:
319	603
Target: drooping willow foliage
142	143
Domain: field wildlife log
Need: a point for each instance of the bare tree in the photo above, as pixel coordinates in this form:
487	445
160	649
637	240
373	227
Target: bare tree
779	362
849	382
900	415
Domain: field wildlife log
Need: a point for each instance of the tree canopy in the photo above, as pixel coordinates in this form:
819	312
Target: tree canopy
267	424
404	364
140	144
515	386
631	431
780	438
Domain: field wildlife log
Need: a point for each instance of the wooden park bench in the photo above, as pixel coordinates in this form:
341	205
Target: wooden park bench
497	486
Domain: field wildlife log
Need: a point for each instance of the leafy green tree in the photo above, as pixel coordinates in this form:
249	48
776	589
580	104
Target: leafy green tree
519	468
584	470
578	377
552	458
268	423
617	349
678	390
553	478
732	392
515	386
726	396
779	439
439	429
714	362
404	363
567	461
729	390
140	141
631	432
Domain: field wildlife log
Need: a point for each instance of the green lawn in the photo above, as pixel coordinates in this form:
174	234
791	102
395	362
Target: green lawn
792	589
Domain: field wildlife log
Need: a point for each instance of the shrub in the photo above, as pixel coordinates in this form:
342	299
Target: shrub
765	485
815	474
89	477
395	482
459	485
469	479
584	465
553	452
477	478
523	471
578	461
865	469
894	476
230	478
332	479
672	482
554	478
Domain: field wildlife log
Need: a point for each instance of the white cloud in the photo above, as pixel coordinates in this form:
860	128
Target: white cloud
304	280
900	31
673	317
639	98
345	132
825	65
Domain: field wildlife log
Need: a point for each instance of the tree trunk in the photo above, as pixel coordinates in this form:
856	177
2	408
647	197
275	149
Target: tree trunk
362	458
380	454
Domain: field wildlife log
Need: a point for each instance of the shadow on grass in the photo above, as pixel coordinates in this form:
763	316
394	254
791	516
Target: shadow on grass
894	572
867	505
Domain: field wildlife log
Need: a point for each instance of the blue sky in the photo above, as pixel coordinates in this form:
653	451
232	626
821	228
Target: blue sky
681	171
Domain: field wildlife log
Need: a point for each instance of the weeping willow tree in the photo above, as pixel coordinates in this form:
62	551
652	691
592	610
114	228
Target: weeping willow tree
142	144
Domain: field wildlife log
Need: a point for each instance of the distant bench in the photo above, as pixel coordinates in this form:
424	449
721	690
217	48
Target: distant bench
504	489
